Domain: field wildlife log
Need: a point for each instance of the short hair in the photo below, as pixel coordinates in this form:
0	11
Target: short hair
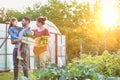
26	19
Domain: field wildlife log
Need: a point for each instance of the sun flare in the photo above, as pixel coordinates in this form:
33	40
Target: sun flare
109	15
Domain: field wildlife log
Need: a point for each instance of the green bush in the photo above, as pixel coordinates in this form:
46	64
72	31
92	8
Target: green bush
100	67
23	78
107	64
74	71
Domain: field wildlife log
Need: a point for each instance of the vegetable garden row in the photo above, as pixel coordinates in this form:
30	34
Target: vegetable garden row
100	67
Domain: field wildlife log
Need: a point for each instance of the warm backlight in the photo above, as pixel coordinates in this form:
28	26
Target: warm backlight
109	14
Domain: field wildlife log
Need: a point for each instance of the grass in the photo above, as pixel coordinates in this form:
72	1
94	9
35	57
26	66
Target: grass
7	76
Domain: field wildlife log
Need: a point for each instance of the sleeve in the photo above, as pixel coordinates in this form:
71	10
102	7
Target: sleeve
12	35
20	34
47	32
20	28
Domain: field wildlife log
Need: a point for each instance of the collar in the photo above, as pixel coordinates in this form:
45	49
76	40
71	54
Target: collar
26	27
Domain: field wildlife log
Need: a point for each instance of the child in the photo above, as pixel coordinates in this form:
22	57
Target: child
19	52
14	32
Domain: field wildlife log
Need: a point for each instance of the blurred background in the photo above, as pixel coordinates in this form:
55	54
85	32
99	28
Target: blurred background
90	26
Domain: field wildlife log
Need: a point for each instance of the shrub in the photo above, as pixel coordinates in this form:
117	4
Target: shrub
100	67
107	64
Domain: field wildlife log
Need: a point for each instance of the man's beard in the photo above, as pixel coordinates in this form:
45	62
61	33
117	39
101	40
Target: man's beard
23	25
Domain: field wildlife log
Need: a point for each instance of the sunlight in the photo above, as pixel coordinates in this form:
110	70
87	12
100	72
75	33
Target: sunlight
109	17
109	14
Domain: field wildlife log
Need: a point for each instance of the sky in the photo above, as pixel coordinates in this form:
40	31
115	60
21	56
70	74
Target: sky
19	4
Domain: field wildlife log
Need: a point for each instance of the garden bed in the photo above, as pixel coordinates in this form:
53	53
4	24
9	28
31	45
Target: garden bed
102	67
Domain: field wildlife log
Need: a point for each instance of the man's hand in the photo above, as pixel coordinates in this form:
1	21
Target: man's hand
16	41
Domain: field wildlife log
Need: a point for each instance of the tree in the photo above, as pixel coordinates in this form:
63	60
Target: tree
81	25
15	13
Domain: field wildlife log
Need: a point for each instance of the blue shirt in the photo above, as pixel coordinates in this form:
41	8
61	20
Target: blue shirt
14	33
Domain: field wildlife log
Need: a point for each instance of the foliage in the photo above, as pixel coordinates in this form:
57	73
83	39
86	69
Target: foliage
23	78
42	41
106	63
100	67
74	71
81	24
72	20
15	13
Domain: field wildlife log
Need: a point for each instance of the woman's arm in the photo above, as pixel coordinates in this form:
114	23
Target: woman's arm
47	32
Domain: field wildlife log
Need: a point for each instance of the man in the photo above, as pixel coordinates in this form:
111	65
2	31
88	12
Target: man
24	48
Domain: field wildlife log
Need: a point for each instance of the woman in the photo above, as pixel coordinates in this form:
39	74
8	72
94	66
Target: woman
41	52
